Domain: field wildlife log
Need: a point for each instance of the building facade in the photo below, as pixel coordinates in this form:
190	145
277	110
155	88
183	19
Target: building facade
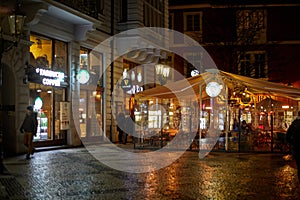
55	68
252	39
247	38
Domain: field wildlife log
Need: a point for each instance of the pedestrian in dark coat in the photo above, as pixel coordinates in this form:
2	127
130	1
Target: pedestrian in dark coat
129	128
29	129
120	126
293	138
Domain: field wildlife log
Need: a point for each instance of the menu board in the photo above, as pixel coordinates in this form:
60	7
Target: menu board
64	115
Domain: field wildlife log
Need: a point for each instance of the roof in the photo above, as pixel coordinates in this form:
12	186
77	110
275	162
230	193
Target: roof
190	86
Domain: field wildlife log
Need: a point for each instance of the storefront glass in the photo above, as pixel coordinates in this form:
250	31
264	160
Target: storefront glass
47	72
90	109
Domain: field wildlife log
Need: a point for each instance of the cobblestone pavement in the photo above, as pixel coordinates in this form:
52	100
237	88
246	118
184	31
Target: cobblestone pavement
75	174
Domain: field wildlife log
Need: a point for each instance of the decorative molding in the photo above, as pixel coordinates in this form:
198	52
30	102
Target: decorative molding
37	10
81	31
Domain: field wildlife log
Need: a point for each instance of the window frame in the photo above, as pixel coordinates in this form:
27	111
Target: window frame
185	16
154	13
252	69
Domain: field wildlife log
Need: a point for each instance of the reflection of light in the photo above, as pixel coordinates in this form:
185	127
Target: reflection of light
285	174
125	73
98	96
139	77
285	106
163	70
208	108
202	123
132	76
49	91
150	102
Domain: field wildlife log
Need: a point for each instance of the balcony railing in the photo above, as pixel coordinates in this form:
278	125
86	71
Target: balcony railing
88	7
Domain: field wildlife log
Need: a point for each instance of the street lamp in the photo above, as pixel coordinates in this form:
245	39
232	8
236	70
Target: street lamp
16	23
162	72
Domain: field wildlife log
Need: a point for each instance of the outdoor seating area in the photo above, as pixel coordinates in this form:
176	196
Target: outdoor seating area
246	115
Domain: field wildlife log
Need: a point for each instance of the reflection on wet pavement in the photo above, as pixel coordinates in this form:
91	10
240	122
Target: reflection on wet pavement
75	174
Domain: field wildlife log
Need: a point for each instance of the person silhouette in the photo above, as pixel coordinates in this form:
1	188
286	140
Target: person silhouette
120	126
29	129
293	138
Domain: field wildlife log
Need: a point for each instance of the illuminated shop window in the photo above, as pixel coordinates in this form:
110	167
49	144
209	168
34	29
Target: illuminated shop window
47	74
91	98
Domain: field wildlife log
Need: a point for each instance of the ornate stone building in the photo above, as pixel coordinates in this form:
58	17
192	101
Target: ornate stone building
49	64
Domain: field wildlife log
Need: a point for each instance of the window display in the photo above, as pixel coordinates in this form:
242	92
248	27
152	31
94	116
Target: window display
47	73
90	103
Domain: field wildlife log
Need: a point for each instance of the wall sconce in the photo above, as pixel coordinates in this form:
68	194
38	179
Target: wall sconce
16	22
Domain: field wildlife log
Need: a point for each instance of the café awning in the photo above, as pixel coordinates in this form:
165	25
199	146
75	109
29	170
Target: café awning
186	87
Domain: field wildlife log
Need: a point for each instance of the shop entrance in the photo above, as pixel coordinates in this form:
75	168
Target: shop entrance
47	103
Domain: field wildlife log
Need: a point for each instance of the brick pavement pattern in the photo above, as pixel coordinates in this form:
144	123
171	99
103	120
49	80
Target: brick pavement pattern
75	174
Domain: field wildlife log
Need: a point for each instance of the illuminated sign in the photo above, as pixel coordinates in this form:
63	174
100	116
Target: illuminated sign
135	89
51	78
126	84
38	103
83	76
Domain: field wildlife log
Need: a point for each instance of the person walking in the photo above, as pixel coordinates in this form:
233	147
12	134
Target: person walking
293	138
120	126
29	129
129	128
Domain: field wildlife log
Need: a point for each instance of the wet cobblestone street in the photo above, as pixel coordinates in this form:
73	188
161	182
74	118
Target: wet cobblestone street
75	174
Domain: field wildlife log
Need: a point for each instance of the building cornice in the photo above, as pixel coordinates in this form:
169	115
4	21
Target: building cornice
285	42
206	5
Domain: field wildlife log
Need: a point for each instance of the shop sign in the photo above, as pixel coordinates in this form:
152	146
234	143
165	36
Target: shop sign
45	76
83	76
49	77
135	89
126	84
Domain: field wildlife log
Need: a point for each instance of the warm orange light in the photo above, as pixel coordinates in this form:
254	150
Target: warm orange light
285	106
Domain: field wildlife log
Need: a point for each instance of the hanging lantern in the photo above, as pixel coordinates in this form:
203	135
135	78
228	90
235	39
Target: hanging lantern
16	23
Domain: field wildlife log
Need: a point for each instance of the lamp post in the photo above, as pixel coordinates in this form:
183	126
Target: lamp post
16	23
